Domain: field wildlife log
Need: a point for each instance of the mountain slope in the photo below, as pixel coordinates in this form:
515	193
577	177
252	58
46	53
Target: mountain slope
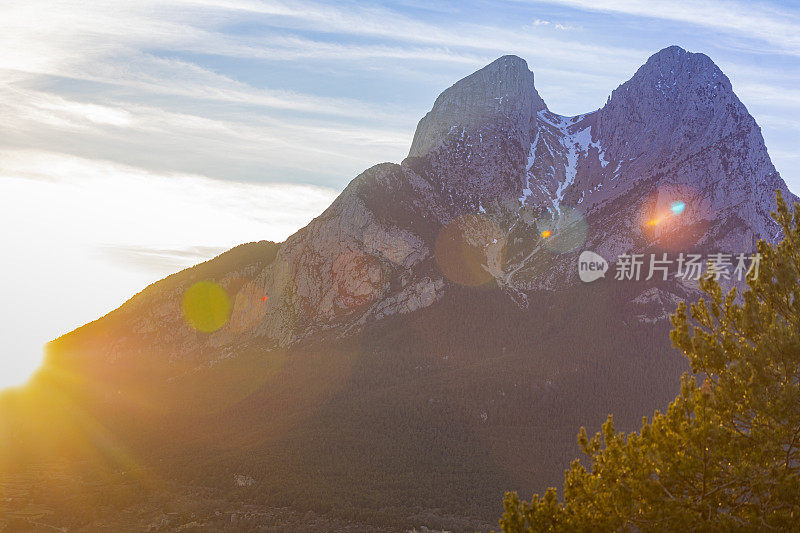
424	343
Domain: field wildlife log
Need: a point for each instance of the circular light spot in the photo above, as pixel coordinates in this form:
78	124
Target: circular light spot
567	228
546	233
206	306
677	207
470	250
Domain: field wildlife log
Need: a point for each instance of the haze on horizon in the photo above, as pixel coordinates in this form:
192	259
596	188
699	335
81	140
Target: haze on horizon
142	137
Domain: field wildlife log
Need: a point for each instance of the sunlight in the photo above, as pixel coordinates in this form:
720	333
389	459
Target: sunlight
68	269
16	371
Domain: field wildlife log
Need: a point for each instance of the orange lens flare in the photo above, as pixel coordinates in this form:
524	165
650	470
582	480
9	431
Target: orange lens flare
546	233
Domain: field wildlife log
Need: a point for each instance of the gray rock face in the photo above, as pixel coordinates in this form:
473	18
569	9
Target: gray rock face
490	160
676	103
675	132
474	140
432	316
691	130
501	94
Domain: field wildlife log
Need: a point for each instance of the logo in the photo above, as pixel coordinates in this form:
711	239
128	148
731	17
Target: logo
689	266
591	266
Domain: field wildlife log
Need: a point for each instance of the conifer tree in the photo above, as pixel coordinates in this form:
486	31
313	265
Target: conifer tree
725	456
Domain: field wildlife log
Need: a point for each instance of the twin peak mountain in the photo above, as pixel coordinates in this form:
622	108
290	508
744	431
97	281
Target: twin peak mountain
430	325
490	172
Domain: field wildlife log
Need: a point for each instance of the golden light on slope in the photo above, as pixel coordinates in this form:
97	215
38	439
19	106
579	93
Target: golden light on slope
50	441
81	236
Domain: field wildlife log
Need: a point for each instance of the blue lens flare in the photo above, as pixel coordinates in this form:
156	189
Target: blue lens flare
677	207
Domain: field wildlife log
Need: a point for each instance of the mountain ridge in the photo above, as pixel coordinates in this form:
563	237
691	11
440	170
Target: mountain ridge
433	310
378	237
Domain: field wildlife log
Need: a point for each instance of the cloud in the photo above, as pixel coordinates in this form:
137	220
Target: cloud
169	114
132	82
233	143
104	203
556	25
81	236
386	23
774	95
160	260
751	20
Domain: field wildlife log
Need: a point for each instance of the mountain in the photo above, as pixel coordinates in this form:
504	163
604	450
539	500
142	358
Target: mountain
425	343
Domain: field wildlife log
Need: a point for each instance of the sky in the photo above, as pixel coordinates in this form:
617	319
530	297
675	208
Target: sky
141	137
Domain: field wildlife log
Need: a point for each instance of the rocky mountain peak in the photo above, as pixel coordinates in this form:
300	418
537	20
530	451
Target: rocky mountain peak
443	290
676	80
502	93
526	187
676	102
680	61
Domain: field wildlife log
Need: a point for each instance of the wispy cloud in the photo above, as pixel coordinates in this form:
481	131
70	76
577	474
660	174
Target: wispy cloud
754	20
160	260
372	22
556	25
142	208
148	96
248	145
761	94
82	236
139	137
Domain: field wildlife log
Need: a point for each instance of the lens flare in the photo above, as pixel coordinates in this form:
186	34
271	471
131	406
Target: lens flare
206	306
18	371
677	207
563	231
470	250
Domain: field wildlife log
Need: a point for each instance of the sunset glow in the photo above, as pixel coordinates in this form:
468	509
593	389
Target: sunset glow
326	266
86	235
138	140
18	372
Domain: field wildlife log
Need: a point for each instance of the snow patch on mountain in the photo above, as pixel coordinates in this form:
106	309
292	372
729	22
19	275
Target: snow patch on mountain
526	192
570	143
575	145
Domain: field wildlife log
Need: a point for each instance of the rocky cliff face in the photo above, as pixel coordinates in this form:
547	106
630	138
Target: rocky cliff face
473	142
426	338
675	132
501	95
679	121
493	168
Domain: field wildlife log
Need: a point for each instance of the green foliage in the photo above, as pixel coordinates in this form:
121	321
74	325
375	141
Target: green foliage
725	456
